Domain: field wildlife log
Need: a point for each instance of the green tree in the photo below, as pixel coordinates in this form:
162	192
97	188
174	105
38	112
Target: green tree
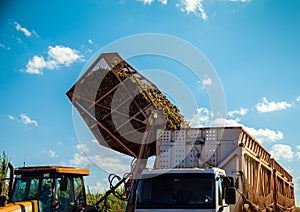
3	173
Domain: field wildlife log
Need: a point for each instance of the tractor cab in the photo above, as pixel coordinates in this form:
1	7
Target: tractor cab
55	188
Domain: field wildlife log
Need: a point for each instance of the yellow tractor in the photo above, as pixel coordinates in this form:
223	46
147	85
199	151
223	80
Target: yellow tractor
47	189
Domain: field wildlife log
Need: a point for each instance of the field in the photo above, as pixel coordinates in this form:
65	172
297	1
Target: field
112	203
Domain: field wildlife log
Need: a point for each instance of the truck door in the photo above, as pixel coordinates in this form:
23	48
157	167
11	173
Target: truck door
64	194
220	198
45	195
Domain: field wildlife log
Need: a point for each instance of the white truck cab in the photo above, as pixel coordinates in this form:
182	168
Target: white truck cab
181	189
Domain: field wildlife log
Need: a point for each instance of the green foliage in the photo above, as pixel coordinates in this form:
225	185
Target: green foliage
297	209
3	173
112	203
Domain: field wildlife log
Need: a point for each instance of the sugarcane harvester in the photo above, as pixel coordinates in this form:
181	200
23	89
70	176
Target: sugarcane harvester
203	169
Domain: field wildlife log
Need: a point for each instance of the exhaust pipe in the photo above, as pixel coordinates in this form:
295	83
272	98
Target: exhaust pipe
11	181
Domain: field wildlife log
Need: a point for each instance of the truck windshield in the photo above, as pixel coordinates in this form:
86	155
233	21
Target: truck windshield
176	191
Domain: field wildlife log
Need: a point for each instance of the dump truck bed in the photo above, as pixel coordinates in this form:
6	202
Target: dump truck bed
116	101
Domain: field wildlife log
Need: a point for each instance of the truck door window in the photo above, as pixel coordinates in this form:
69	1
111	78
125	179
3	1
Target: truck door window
79	191
19	190
33	188
45	195
26	189
64	196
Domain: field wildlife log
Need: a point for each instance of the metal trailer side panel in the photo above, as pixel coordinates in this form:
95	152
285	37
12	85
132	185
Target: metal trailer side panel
249	165
283	188
262	183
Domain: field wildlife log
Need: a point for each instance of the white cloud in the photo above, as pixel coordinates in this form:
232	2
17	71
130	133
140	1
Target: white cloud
27	120
4	47
35	34
90	41
147	1
266	106
26	32
151	1
36	65
52	154
242	112
282	151
297	154
114	164
207	81
79	159
82	148
226	122
57	56
244	1
61	55
19	40
298	99
164	1
193	6
263	135
203	117
94	141
111	164
10	117
190	6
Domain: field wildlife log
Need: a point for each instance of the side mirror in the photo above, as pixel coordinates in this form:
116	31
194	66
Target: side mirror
228	182
230	198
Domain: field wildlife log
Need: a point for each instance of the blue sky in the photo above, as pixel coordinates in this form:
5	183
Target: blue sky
253	45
